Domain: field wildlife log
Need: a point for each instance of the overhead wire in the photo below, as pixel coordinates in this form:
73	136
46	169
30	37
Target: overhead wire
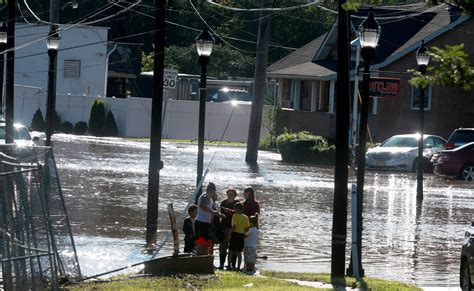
316	4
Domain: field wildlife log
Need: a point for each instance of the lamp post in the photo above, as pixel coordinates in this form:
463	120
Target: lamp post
369	33
52	43
204	43
3	46
422	59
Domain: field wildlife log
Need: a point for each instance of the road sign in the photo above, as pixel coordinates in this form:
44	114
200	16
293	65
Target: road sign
170	78
384	87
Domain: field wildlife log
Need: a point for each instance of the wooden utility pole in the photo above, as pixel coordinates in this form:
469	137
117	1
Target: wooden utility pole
339	218
54	11
155	164
260	82
9	118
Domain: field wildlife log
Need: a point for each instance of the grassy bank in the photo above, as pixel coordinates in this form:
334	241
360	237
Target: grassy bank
234	281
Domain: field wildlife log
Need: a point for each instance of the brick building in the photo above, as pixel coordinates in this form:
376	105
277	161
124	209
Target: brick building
307	77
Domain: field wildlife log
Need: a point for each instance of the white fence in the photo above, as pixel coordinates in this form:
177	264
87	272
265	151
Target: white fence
133	115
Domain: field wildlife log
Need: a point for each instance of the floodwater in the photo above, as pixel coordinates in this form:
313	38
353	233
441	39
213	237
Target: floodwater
105	186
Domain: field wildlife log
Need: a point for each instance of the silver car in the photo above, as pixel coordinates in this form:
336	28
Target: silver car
400	152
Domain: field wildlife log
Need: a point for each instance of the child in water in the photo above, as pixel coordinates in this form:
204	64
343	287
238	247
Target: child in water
188	229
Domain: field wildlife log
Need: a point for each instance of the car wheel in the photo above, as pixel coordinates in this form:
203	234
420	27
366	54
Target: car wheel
467	173
465	276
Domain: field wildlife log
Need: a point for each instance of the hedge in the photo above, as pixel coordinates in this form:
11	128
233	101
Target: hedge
303	147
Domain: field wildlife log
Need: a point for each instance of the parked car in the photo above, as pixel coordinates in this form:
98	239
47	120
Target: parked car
457	162
21	138
467	264
229	94
459	137
400	152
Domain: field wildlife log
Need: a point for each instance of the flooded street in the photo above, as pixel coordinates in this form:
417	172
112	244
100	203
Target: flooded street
105	186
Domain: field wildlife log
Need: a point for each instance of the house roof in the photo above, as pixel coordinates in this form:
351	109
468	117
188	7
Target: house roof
402	29
307	71
302	55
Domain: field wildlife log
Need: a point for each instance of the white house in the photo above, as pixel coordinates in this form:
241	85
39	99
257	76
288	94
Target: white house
81	62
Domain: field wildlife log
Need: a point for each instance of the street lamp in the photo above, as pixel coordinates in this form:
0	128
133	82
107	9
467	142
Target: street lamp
422	59
52	43
369	34
3	46
204	43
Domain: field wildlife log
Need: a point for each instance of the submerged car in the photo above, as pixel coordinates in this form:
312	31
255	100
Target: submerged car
400	152
467	263
457	162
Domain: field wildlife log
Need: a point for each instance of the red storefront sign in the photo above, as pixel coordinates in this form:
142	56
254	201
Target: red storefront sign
384	87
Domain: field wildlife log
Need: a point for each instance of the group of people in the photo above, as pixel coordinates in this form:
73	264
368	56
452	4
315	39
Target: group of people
232	223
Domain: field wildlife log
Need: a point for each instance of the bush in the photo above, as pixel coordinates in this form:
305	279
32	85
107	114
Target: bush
97	117
110	126
268	143
80	128
67	127
37	122
304	147
56	121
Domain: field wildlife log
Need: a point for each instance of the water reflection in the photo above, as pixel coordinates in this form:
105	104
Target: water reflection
105	184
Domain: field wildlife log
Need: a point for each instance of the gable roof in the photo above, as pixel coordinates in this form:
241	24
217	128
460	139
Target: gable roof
302	55
402	29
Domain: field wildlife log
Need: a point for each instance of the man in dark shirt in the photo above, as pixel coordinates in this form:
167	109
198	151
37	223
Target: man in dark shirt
227	208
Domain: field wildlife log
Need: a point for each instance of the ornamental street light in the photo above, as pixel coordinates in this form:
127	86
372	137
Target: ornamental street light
369	34
204	43
3	46
422	59
52	43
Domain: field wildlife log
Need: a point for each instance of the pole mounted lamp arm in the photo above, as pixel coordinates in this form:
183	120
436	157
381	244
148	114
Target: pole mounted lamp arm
3	34
204	43
422	58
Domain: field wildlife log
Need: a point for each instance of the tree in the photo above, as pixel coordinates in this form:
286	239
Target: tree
110	126
448	67
37	123
225	62
97	117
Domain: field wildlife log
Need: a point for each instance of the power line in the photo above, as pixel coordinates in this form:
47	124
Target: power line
271	9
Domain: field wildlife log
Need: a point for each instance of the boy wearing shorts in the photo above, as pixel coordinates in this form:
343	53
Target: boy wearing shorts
240	225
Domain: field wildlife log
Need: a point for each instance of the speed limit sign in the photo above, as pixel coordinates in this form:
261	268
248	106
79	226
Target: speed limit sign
170	78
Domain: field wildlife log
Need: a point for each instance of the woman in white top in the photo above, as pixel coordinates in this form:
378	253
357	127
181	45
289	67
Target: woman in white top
206	211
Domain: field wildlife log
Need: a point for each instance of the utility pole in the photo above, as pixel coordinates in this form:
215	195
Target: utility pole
155	164
54	11
260	83
9	118
339	218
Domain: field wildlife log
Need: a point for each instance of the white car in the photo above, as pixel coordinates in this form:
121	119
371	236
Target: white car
400	152
21	137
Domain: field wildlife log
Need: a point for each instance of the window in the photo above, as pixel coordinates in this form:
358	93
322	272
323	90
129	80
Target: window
72	69
429	142
415	97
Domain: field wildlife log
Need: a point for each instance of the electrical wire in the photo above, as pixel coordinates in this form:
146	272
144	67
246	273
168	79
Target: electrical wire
271	9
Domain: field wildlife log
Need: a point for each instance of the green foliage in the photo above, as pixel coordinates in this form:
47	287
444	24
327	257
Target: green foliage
37	122
97	117
448	67
225	62
110	126
304	147
66	127
56	121
80	128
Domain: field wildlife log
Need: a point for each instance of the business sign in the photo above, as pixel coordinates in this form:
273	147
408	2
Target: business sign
384	87
170	78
